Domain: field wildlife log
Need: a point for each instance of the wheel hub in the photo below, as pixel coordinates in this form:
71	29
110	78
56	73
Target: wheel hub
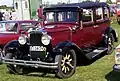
66	63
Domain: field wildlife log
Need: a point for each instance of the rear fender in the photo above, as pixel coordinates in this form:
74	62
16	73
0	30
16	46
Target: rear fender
111	30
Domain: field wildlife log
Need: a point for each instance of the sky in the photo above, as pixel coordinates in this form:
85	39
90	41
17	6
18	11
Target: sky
6	2
10	2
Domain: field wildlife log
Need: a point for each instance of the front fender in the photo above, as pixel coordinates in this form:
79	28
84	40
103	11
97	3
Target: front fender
67	44
11	46
81	57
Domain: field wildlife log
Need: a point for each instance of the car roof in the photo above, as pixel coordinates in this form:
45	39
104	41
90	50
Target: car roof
74	6
19	21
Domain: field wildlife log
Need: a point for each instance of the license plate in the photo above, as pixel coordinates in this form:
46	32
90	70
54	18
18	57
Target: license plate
37	48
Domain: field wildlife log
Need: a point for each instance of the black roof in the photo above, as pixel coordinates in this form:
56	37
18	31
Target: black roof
74	6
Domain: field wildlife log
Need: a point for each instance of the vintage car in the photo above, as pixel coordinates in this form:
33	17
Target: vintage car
116	67
72	35
10	30
117	10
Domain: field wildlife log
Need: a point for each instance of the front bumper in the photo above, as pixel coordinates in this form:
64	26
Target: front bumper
116	67
36	64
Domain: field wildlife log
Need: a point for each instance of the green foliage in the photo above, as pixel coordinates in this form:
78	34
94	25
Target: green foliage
5	7
109	1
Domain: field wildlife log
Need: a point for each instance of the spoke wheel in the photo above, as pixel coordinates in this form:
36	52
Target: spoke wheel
110	44
67	63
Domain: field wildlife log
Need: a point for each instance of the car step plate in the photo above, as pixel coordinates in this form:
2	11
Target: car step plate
95	53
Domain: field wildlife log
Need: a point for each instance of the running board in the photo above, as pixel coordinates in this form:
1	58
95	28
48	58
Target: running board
95	53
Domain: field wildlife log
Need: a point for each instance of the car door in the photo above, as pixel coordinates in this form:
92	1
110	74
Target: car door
102	23
84	36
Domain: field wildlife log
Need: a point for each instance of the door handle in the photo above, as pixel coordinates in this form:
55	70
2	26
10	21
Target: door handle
95	26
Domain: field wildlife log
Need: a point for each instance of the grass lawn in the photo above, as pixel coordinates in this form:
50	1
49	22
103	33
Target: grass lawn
101	70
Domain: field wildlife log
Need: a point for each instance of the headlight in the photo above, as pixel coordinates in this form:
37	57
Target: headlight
22	39
45	39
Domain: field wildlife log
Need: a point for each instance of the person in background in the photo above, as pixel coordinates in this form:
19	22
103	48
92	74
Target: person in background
10	16
1	15
40	13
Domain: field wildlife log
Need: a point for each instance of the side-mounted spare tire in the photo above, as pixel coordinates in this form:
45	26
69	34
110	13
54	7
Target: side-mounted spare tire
66	63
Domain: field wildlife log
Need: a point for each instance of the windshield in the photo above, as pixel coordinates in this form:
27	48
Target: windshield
68	16
13	26
27	26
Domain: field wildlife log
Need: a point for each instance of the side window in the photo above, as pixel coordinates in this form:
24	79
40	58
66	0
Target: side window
12	27
99	14
60	16
50	16
87	15
106	13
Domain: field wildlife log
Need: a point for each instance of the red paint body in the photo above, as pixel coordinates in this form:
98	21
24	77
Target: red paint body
6	36
84	37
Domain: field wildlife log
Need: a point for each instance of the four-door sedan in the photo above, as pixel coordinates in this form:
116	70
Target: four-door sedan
73	35
10	30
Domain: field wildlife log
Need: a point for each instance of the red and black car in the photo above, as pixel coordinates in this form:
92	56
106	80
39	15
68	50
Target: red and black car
10	30
73	35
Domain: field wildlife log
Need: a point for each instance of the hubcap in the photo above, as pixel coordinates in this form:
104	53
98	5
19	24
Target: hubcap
66	63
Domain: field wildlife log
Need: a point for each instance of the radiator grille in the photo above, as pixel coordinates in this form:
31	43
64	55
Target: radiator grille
35	39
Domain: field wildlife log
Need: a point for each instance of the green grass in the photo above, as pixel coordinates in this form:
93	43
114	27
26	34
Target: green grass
100	70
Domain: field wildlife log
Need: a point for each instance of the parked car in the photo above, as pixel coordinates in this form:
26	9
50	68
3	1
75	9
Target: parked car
112	9
118	11
69	38
10	30
116	66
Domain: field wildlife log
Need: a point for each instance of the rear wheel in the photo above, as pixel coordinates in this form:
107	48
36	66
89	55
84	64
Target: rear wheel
66	63
110	43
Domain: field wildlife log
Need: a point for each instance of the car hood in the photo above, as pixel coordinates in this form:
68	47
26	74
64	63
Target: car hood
58	27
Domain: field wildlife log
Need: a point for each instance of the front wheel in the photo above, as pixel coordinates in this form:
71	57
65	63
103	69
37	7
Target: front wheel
66	63
14	69
10	67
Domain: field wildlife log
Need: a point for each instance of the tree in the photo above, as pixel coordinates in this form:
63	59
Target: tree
109	1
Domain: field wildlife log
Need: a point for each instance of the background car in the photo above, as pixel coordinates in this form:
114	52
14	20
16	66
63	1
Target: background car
112	9
10	30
